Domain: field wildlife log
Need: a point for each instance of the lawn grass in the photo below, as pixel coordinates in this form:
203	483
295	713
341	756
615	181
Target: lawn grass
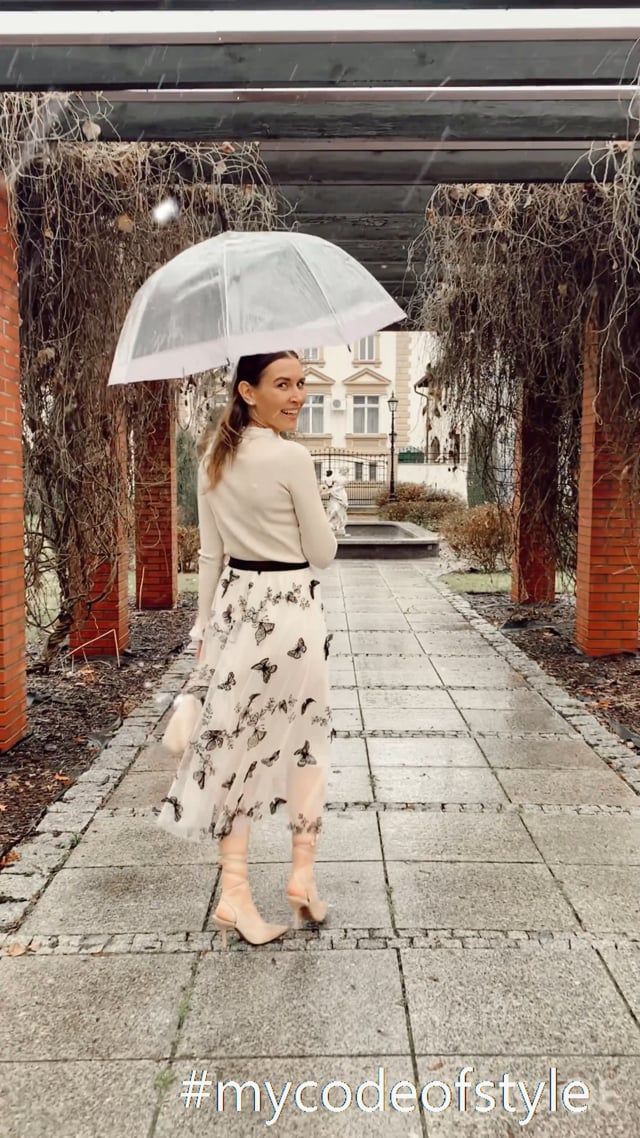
494	582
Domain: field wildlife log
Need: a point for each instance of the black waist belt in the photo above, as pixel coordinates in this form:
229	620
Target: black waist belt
266	566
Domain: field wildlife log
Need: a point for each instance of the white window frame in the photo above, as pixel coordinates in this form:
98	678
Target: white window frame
368	407
371	349
314	401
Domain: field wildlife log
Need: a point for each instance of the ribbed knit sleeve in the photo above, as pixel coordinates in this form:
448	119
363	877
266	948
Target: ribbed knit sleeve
210	556
318	540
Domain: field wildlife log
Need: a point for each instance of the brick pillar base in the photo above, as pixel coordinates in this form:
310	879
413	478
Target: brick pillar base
110	615
13	688
156	504
608	578
533	569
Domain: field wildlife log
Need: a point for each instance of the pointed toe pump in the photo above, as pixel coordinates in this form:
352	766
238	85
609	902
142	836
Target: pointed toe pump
236	910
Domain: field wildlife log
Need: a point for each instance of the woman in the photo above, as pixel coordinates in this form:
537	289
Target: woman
263	737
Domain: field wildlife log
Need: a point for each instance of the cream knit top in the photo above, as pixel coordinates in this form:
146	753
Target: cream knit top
266	507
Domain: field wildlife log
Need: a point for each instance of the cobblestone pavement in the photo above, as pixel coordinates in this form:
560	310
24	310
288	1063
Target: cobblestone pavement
481	857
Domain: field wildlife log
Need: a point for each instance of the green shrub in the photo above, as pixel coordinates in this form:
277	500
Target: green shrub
188	546
420	504
481	534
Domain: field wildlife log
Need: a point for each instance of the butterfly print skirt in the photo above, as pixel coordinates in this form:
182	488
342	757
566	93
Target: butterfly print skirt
263	739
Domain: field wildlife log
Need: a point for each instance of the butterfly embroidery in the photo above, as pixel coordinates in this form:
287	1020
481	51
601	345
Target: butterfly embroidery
298	650
333	733
227	684
200	777
326	645
228	783
227	613
292	597
264	627
266	668
257	737
255	695
213	739
273	805
238	729
306	758
312	587
271	759
306	704
250	770
177	807
229	581
283	705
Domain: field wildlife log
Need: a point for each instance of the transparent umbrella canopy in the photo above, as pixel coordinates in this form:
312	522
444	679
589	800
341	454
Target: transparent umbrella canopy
243	293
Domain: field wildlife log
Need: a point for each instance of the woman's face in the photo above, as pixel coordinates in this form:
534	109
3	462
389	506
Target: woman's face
279	396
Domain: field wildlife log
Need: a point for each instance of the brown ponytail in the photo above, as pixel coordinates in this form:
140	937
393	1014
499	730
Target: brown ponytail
235	416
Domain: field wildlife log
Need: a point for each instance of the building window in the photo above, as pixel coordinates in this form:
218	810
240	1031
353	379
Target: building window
311	355
373	471
367	350
318	469
311	417
366	414
358	470
434	450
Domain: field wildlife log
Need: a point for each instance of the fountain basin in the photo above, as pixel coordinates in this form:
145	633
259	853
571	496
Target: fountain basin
379	539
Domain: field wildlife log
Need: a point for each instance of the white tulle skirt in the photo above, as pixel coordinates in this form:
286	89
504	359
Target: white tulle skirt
262	739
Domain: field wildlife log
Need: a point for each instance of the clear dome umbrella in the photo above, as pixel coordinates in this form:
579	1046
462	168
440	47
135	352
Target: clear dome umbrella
243	293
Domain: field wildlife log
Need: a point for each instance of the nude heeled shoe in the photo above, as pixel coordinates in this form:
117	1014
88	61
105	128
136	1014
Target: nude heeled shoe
302	893
236	910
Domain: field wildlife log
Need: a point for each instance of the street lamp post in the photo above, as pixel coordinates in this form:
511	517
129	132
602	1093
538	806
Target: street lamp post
392	404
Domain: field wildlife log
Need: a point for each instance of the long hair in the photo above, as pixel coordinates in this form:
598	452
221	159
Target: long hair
236	414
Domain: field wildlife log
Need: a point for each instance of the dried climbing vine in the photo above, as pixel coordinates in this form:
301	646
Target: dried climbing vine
87	239
511	275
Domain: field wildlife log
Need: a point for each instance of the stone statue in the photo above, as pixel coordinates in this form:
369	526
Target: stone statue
338	500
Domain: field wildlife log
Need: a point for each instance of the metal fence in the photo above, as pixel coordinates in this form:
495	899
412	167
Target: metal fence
367	474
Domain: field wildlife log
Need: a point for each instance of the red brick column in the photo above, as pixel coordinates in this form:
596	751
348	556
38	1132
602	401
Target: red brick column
111	614
608	578
156	503
533	569
13	691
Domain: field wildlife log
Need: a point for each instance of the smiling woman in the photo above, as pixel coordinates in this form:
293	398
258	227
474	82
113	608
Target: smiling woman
261	738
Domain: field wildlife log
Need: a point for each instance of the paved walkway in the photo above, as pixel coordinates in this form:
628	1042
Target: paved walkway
482	858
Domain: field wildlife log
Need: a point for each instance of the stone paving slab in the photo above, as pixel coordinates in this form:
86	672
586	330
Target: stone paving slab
88	1007
456	837
470	895
539	754
436	784
411	698
124	839
78	1099
612	1101
567	787
356	893
492	1001
139	898
372	671
584	840
396	720
311	1004
350	835
606	898
456	671
311	1118
431	751
348	783
624	966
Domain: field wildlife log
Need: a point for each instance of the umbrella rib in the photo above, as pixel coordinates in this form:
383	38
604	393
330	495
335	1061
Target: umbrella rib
324	295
